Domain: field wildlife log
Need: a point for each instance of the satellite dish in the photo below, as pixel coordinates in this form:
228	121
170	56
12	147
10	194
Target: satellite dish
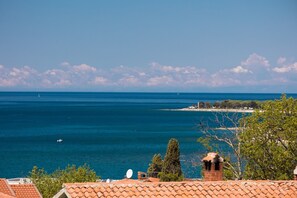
129	173
108	181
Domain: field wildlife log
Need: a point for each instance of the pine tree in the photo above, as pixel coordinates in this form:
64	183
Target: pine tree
171	164
156	166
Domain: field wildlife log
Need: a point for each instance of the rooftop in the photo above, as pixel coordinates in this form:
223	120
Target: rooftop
134	188
18	190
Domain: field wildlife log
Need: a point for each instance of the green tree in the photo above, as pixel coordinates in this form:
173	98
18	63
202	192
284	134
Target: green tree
201	105
207	105
269	141
156	166
50	184
217	105
171	169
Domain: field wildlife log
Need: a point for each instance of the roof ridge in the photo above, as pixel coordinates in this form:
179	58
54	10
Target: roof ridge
228	182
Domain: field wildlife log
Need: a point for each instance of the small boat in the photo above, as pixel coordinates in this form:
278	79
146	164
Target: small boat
59	140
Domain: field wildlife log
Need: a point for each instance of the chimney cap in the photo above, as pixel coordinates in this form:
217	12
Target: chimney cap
295	171
213	157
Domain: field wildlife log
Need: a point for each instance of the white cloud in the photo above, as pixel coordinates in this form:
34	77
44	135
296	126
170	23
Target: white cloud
99	80
63	82
286	68
255	59
142	74
7	83
281	60
17	76
281	69
65	63
56	78
239	69
71	75
255	70
55	72
129	81
160	80
224	78
176	69
179	76
84	68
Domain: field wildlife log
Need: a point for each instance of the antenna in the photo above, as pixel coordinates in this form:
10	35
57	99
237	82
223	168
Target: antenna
129	173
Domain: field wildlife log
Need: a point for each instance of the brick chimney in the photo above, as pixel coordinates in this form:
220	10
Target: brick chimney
212	167
141	175
295	173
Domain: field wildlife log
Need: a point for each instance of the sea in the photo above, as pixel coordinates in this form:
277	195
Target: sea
111	132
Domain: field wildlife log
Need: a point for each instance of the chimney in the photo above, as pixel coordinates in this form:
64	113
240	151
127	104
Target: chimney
295	173
141	175
212	167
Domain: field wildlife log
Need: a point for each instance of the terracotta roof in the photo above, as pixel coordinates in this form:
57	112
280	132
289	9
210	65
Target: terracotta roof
151	179
2	195
26	191
182	189
18	190
5	188
124	181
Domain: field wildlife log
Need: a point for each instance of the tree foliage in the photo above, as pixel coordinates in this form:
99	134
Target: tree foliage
269	141
171	163
50	184
230	104
155	166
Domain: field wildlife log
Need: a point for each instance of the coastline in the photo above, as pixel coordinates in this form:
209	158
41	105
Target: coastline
215	110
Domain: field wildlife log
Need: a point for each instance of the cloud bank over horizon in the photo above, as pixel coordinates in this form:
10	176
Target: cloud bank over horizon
254	71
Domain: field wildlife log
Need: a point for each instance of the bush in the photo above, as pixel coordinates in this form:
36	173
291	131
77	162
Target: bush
50	184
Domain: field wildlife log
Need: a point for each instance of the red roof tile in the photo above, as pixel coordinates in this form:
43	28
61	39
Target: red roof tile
183	189
2	195
18	190
26	191
5	188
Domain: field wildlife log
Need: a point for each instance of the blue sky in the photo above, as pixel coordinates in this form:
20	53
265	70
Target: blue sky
190	46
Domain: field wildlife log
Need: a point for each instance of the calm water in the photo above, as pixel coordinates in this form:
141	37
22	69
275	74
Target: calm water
111	132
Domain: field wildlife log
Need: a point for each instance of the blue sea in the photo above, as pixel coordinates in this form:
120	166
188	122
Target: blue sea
111	132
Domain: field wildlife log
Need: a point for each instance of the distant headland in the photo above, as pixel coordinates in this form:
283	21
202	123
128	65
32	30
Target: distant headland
241	106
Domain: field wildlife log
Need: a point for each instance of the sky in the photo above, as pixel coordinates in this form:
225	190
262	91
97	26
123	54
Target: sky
149	46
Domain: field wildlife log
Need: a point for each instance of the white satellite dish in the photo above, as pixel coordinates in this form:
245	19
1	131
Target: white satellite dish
129	173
